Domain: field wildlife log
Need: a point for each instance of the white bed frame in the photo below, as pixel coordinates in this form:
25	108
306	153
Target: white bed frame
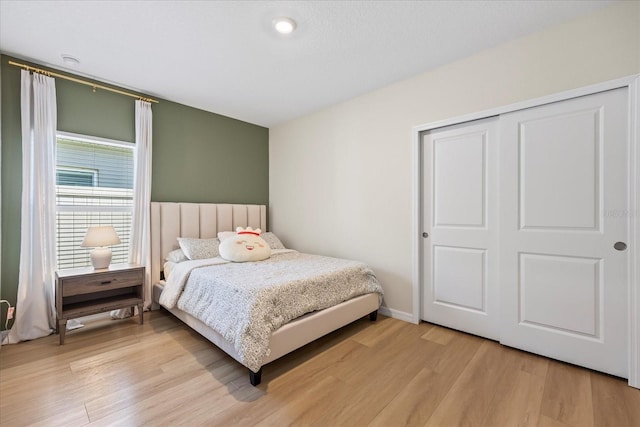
204	220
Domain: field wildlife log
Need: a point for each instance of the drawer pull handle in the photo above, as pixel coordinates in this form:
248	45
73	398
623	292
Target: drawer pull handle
105	283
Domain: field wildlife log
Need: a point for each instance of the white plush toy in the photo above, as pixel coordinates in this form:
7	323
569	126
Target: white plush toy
246	245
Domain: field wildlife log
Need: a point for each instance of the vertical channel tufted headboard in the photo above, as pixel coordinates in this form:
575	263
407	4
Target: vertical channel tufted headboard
199	220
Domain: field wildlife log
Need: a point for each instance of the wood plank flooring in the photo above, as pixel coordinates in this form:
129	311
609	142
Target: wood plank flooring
384	373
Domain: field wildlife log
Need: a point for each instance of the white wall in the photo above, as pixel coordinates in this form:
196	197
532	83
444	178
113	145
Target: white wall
341	178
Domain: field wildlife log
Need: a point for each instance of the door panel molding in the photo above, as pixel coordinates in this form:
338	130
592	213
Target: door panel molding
535	150
460	181
469	288
535	293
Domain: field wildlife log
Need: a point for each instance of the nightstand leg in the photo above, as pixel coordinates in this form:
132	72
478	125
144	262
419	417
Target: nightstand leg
140	313
62	328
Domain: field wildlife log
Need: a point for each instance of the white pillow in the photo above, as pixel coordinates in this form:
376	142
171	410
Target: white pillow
168	268
246	245
224	235
199	248
176	256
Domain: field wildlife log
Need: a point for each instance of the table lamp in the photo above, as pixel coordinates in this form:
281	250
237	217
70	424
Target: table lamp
100	238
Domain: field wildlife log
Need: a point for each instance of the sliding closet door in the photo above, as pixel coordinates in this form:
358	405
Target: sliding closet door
564	227
460	287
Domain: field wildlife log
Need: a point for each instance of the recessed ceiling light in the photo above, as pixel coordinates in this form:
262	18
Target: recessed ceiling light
284	25
69	60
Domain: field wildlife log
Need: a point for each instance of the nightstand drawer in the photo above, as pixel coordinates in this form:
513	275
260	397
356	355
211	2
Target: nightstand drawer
102	282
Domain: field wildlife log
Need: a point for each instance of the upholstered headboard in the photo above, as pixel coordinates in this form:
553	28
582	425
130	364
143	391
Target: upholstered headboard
200	220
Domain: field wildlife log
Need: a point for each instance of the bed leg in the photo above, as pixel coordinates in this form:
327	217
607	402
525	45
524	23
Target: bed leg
255	377
373	316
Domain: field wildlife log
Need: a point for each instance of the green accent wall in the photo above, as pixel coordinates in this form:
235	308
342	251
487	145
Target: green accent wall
204	157
198	156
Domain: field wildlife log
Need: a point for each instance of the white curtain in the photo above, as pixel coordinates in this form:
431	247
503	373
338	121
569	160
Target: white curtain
35	306
140	243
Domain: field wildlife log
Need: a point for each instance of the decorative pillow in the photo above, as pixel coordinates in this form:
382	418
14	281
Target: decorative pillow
272	240
224	235
247	245
199	248
176	256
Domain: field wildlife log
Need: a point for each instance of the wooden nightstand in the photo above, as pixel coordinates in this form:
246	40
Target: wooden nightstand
84	291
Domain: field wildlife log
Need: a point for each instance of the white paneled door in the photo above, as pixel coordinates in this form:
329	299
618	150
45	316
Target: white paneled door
563	230
460	232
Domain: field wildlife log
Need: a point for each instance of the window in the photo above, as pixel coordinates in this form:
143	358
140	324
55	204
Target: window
94	186
78	177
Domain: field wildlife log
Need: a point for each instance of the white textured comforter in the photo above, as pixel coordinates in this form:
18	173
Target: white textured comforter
246	302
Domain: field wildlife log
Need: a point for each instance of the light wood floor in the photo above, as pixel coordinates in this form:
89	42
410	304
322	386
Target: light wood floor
387	373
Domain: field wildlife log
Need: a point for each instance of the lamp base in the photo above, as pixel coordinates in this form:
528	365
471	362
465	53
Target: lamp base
101	257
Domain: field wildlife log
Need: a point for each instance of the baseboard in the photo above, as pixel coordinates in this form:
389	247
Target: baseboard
396	314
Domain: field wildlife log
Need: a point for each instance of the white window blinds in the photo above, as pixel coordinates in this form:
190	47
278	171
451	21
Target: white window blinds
94	186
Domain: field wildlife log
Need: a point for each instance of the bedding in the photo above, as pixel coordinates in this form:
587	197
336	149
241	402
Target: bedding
176	256
168	268
247	302
199	248
272	240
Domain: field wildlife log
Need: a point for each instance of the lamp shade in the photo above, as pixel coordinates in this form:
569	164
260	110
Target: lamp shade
103	235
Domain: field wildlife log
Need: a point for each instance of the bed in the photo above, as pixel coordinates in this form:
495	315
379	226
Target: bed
169	221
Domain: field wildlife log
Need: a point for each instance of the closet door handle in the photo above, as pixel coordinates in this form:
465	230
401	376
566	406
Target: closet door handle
425	234
620	246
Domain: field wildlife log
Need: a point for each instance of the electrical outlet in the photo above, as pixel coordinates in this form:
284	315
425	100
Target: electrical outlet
10	312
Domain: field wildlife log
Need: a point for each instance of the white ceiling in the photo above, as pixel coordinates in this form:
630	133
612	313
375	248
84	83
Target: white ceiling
224	57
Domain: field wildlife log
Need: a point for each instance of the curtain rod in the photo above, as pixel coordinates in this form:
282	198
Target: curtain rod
84	82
